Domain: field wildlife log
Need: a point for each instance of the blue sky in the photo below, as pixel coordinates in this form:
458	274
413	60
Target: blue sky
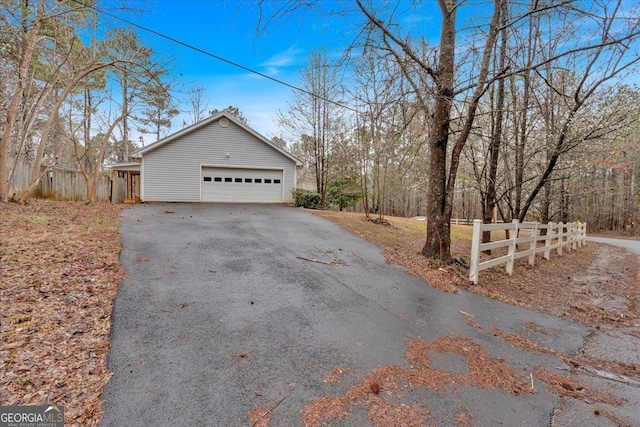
228	29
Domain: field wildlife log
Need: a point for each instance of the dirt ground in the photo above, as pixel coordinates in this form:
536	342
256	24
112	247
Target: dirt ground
59	274
594	285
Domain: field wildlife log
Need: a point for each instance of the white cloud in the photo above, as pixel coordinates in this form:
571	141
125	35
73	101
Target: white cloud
292	57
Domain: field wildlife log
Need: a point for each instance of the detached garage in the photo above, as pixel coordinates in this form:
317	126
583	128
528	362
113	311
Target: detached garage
219	159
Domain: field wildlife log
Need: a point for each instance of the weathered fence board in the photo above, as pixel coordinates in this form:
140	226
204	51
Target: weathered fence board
557	236
58	184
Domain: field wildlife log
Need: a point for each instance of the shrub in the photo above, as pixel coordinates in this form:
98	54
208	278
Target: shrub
343	192
306	198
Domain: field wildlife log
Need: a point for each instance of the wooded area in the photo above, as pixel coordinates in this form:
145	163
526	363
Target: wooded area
518	110
71	88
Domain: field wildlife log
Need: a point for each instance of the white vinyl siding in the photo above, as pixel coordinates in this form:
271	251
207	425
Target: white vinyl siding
241	185
173	171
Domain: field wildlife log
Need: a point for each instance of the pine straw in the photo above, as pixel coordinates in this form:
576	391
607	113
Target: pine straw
60	272
619	421
260	417
536	328
521	342
572	388
580	360
564	385
486	373
333	377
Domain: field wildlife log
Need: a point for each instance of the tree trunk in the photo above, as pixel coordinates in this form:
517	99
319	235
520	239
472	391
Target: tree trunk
36	174
438	243
92	195
125	124
496	139
441	185
12	111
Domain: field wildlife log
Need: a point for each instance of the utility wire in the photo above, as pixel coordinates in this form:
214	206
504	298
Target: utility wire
213	55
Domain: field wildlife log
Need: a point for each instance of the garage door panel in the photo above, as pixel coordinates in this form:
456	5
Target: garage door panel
241	185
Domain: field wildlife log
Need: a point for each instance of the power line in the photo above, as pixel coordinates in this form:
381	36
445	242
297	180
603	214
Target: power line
213	55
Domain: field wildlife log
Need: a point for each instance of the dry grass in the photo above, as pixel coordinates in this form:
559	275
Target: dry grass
580	285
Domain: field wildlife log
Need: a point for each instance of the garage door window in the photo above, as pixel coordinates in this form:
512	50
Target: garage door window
248	180
276	181
217	179
258	180
228	180
207	179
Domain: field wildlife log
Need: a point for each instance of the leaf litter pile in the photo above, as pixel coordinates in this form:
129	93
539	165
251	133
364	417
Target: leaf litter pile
59	274
381	389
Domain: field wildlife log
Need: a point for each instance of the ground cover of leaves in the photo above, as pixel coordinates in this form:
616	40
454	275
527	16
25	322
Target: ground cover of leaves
59	274
593	285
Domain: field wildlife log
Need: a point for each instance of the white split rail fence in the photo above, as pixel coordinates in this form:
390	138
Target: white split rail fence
558	235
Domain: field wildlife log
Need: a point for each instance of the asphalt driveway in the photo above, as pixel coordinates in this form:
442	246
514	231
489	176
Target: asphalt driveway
226	309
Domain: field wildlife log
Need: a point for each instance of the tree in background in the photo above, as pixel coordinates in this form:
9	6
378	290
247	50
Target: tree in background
57	57
157	110
450	81
234	111
314	117
198	106
343	192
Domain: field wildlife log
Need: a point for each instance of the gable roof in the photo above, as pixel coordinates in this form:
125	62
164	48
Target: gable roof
138	154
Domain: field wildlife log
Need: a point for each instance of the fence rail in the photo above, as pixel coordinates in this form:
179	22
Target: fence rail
459	221
557	236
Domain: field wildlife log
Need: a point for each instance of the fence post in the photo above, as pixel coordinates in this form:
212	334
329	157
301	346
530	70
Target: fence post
534	244
584	234
560	237
475	251
512	247
547	241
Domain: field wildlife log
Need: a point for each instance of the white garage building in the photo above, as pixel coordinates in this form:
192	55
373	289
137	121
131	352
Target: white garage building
219	159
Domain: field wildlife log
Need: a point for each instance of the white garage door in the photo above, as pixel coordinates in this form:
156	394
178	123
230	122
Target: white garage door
241	185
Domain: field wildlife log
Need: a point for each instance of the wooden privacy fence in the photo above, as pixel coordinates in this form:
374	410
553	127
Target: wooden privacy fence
557	236
58	184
